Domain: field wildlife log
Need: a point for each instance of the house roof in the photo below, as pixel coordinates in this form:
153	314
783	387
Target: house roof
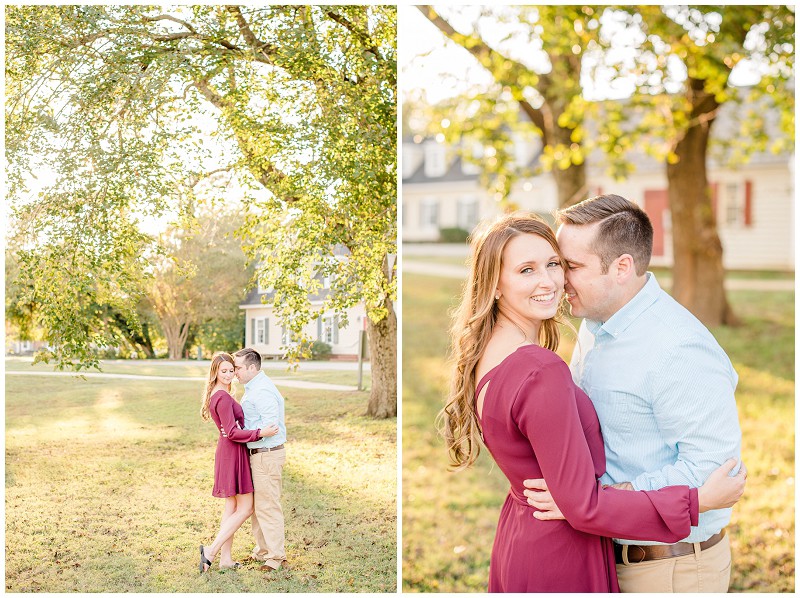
725	126
256	299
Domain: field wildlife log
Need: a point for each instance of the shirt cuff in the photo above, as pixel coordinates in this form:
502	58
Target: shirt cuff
694	507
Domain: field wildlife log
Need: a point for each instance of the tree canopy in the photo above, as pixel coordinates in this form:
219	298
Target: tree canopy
124	104
671	67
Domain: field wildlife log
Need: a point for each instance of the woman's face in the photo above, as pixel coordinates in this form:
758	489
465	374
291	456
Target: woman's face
225	373
531	279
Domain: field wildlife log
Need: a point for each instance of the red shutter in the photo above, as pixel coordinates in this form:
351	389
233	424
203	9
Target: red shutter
748	203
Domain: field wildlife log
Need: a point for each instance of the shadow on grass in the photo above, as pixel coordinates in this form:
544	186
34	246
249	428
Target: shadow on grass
108	489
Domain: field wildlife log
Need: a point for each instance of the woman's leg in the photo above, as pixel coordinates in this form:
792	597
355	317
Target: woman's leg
225	558
243	509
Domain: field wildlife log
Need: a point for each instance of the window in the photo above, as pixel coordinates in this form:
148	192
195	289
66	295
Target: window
259	331
734	206
262	331
435	160
328	329
467	213
429	213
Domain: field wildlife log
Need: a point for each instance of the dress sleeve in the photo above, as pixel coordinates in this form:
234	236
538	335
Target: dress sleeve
227	420
546	412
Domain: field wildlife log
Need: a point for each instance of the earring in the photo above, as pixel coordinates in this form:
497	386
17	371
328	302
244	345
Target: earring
497	297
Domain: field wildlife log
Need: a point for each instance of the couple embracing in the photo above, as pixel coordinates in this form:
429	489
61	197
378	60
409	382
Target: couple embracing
249	461
645	372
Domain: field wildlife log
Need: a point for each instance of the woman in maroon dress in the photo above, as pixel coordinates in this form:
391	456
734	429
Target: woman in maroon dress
511	391
232	478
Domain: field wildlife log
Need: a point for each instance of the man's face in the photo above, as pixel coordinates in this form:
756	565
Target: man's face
591	294
244	373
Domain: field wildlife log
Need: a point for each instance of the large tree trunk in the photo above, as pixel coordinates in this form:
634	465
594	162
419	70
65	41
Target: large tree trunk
571	182
175	333
698	274
383	362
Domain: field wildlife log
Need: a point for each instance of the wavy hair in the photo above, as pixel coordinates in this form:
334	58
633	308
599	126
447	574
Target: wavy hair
472	325
216	361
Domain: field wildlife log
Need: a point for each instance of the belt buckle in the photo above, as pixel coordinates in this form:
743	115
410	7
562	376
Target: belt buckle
641	548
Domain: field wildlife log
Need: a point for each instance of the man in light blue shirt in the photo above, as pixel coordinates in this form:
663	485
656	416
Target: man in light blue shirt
263	408
662	387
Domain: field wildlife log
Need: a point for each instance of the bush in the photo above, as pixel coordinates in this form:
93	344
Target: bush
453	235
320	350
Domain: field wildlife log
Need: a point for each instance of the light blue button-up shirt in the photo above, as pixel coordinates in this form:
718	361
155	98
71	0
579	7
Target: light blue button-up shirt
663	389
262	404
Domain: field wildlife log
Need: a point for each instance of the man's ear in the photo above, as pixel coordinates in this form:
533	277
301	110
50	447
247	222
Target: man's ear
625	267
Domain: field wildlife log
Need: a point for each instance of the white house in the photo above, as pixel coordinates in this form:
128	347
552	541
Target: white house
265	334
754	202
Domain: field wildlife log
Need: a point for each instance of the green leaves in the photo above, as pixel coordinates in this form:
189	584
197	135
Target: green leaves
129	106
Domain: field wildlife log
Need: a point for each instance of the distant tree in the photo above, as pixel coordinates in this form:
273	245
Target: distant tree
121	101
199	277
220	334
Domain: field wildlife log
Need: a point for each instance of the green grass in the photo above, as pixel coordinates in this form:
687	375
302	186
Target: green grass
449	518
737	274
658	271
275	370
447	260
108	489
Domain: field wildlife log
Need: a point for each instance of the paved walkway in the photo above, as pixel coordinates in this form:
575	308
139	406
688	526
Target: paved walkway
278	381
731	284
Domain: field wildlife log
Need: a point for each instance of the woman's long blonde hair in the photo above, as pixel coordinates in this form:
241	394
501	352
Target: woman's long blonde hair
216	361
473	323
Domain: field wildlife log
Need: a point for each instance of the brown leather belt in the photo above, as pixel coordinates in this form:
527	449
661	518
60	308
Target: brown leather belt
638	553
270	448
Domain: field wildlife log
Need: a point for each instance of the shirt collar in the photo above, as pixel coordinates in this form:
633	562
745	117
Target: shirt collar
626	315
253	380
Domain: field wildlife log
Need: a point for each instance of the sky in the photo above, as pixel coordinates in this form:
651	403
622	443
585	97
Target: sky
429	63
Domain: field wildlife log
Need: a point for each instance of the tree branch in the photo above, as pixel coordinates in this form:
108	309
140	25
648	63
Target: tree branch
171	18
365	39
487	57
262	168
264	52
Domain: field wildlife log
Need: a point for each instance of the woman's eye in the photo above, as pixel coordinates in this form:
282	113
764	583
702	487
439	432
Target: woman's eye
526	270
554	264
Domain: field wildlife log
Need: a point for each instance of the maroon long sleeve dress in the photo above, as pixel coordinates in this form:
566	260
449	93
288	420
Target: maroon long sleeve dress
231	462
538	424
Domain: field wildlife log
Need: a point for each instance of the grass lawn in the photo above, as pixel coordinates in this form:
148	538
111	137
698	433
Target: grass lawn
449	519
191	369
449	260
108	489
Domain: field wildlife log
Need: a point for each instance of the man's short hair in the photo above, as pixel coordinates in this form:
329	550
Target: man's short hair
624	228
251	357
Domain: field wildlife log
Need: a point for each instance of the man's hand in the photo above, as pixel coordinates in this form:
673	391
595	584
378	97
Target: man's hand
270	430
539	497
620	486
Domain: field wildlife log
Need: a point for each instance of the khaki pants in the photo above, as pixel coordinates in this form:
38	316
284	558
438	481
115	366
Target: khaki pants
267	519
706	571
